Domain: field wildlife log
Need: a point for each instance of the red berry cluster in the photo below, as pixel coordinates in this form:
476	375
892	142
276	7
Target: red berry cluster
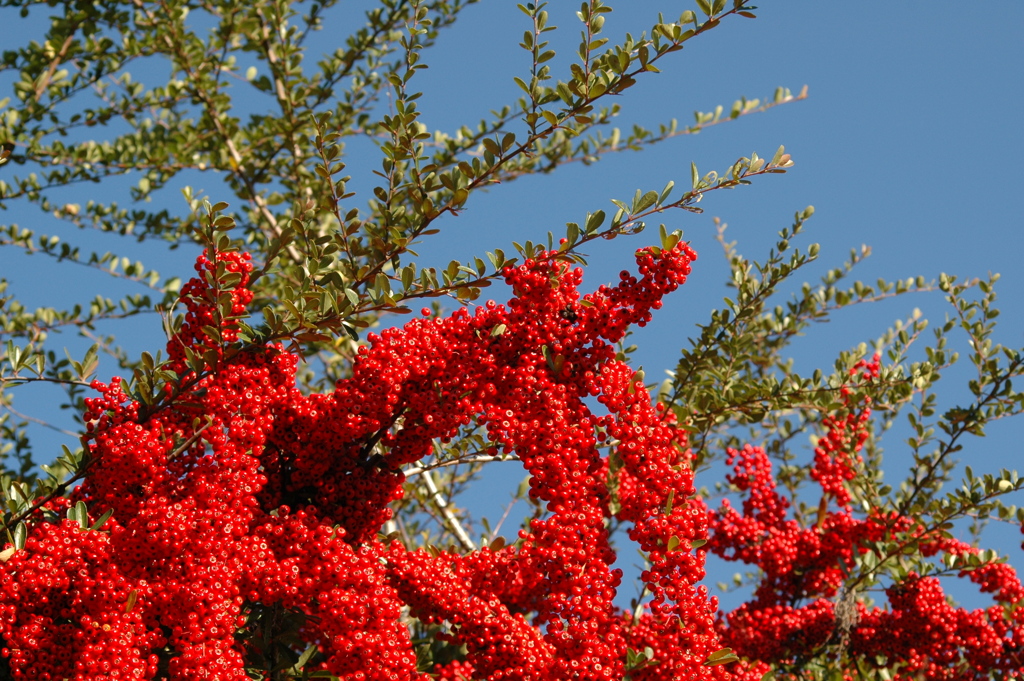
63	610
246	516
797	607
214	301
527	383
837	454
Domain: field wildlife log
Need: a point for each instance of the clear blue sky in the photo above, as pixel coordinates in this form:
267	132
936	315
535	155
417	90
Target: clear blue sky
909	142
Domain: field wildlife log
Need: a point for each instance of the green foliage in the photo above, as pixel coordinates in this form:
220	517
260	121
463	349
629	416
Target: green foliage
327	268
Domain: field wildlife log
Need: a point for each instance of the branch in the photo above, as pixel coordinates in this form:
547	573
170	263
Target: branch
477	458
446	511
33	419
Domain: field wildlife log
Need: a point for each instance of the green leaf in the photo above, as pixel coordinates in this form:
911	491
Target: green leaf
20	536
82	514
644	202
665	192
722	656
102	520
572	233
304	658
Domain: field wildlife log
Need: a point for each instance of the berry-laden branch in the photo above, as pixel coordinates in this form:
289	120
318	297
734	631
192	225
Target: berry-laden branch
805	606
242	504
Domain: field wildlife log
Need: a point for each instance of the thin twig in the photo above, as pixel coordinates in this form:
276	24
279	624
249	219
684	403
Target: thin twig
482	458
446	511
504	517
44	424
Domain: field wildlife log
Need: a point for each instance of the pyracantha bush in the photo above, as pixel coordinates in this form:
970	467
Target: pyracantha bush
243	532
241	505
243	515
803	600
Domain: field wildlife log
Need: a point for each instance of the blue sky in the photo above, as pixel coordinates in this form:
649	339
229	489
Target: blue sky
909	142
